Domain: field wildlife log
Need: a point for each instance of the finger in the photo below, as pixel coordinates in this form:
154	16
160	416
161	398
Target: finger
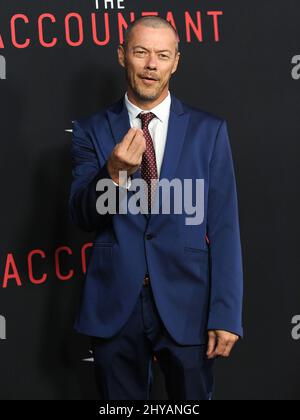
137	140
229	348
140	144
137	159
129	137
220	349
211	345
137	147
137	137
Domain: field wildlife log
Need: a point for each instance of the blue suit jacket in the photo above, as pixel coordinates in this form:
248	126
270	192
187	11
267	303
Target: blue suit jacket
197	285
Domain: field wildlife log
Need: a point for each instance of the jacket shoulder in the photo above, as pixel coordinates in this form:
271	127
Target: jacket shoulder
203	115
89	122
100	116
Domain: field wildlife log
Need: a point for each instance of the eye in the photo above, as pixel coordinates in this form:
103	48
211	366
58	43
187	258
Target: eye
164	56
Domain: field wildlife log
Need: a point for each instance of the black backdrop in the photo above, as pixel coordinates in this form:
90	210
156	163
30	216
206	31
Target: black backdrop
250	76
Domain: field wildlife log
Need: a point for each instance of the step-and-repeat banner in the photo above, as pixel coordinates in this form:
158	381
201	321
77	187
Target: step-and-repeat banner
58	62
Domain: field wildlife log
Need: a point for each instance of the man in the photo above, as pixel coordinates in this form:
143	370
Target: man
157	288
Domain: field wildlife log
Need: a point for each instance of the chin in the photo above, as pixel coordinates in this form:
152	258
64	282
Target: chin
146	95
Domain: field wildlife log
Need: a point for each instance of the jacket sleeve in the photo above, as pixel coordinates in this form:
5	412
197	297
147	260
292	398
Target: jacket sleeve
86	173
224	236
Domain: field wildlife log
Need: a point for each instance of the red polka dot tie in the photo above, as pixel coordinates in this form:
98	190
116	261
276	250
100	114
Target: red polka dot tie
148	167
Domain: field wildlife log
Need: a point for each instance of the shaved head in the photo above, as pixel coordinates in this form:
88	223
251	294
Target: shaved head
150	22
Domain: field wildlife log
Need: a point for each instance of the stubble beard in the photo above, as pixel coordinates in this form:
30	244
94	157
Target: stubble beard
140	93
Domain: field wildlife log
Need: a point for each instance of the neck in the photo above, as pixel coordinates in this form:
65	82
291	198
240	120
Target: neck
146	105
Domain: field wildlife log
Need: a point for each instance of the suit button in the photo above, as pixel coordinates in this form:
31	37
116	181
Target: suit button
149	236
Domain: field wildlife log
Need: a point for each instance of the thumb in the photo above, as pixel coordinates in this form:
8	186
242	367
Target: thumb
212	341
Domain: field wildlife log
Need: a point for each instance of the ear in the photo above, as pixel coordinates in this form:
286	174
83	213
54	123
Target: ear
121	55
176	63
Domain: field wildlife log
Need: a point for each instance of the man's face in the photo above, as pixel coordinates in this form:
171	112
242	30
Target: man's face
149	61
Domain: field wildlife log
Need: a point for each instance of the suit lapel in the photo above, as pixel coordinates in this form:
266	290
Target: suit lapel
178	124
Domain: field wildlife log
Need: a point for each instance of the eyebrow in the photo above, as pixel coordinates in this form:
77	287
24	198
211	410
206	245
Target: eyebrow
160	51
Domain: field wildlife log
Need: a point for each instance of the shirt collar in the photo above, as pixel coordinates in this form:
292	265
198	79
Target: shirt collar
161	111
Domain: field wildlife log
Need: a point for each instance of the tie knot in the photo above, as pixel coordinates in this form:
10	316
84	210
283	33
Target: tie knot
146	118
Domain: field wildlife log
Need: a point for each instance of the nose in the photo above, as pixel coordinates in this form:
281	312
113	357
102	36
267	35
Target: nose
151	63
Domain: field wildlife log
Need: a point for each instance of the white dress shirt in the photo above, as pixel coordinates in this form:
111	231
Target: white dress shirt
158	128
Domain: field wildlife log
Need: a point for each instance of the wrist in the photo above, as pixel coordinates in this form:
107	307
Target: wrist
112	172
120	178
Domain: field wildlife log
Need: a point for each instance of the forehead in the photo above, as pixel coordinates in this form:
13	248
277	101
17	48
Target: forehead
156	38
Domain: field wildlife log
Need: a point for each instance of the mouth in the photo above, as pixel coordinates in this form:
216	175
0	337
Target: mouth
149	80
